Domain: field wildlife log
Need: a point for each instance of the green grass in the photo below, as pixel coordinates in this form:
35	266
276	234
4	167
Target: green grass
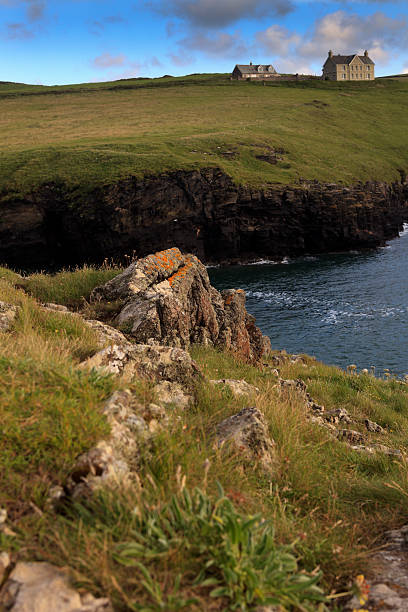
49	410
69	288
94	134
175	540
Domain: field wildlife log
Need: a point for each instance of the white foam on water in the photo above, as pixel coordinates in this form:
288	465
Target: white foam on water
263	262
404	230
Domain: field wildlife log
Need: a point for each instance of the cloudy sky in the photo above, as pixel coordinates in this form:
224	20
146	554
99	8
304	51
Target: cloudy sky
72	41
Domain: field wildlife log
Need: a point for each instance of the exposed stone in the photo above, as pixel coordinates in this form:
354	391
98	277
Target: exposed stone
41	587
4	564
171	394
168	297
373	427
107	334
8	313
248	432
388	582
152	362
238	387
293	385
56	307
350	436
339	415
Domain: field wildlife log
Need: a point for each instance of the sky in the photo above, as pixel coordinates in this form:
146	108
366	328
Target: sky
75	41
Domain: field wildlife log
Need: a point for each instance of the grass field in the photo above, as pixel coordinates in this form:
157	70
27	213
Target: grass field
97	133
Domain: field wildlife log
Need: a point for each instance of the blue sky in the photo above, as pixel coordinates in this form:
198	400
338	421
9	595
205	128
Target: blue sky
73	41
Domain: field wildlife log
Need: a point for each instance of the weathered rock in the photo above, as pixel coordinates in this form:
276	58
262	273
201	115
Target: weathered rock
248	432
388	582
167	297
149	361
238	387
350	436
56	307
373	427
172	394
116	460
8	313
4	564
107	334
293	385
339	415
41	587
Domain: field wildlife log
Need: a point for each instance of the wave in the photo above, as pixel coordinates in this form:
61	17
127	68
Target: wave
404	230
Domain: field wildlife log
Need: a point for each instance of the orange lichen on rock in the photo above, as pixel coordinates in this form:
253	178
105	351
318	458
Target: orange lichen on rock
180	273
163	262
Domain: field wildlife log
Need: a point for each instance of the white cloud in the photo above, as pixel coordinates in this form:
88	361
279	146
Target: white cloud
106	60
346	33
277	40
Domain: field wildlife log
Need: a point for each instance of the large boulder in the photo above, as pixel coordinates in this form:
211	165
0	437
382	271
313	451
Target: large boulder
168	297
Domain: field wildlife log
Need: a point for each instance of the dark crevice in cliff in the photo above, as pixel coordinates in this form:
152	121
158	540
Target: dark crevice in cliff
201	212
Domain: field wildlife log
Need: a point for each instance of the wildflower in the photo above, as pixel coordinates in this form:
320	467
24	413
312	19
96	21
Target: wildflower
363	589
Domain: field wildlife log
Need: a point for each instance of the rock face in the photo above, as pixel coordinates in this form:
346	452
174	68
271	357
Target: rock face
168	298
202	212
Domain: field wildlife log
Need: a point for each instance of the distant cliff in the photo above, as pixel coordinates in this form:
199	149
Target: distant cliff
202	212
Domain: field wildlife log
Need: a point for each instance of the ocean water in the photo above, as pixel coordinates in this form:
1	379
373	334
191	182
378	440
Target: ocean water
342	308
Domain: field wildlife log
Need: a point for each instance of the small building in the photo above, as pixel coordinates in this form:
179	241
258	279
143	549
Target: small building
254	71
348	67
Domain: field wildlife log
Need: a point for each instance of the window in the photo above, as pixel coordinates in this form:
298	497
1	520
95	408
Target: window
344	76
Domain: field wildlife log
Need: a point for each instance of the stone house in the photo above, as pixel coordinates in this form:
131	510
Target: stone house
254	71
348	67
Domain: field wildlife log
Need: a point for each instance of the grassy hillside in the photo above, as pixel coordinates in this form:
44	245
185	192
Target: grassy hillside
326	504
96	133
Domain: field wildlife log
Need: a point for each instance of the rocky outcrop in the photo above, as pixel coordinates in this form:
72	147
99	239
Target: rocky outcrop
248	432
152	362
167	298
201	212
335	420
8	313
239	388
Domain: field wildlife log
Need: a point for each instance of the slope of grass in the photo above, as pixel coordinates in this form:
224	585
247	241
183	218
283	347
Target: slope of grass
190	534
92	134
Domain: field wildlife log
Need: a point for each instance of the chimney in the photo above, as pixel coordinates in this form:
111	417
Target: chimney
366	53
250	63
330	53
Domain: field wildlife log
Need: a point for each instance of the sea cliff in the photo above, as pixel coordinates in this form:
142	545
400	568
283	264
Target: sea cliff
202	212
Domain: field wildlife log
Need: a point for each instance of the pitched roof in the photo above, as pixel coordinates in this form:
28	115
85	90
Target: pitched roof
256	68
346	59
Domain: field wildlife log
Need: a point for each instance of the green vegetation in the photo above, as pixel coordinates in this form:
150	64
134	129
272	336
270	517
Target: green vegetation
92	134
192	532
70	288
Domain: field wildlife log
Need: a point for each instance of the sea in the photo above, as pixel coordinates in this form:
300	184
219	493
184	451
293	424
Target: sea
343	308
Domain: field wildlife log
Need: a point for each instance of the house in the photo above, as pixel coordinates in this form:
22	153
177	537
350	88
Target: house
254	71
348	67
